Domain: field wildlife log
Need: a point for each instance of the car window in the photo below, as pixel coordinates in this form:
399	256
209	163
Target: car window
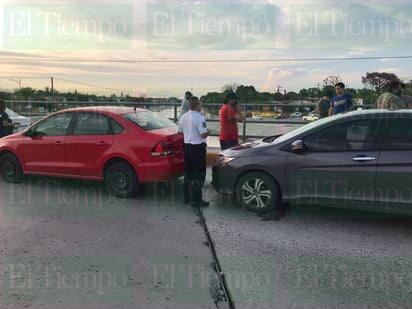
148	120
116	127
357	135
55	125
400	137
348	136
89	123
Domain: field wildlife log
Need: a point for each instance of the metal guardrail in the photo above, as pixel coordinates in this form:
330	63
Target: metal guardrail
43	108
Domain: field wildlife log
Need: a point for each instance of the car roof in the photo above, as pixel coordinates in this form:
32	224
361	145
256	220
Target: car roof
363	114
339	118
375	113
12	113
107	109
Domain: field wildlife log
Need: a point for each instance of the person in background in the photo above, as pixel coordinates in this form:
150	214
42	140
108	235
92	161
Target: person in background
341	102
390	99
193	127
229	116
6	125
407	101
184	108
322	107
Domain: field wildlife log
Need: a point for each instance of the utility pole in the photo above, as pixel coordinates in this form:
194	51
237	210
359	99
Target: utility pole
52	87
52	94
278	92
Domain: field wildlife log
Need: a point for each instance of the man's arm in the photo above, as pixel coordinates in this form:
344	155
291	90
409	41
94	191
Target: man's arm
204	135
236	113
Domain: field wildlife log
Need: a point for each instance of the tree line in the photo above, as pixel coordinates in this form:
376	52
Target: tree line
374	84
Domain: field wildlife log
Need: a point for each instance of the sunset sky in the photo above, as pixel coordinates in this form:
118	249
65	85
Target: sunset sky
163	48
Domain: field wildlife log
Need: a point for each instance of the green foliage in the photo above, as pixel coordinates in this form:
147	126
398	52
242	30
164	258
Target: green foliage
374	83
378	80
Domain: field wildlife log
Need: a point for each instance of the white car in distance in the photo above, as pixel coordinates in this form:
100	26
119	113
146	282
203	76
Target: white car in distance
20	122
310	117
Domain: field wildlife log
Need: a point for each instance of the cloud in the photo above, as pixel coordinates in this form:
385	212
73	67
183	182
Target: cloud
141	68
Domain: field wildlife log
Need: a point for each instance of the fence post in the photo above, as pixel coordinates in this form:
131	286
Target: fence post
244	130
175	111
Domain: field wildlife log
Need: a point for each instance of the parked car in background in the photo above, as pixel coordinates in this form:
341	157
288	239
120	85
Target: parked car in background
295	115
311	117
122	146
20	122
257	117
360	160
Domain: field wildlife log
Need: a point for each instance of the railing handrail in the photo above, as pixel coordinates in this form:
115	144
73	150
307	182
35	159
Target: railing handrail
175	105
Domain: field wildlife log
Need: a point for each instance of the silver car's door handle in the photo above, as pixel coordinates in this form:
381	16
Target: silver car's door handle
363	158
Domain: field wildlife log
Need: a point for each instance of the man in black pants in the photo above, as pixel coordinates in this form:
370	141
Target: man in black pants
193	127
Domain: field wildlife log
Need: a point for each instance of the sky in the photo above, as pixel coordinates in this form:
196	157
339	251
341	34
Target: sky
163	48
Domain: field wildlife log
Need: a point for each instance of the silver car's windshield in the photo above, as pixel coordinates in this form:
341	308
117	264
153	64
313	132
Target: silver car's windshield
302	129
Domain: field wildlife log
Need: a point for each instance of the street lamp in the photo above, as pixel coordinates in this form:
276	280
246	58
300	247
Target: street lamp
18	81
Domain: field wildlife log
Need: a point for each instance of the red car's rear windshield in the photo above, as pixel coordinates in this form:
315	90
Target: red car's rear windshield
148	120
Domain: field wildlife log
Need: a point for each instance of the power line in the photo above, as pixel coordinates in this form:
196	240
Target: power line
89	85
27	77
208	61
65	80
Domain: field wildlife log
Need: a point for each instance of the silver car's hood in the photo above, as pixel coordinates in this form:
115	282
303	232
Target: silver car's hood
245	147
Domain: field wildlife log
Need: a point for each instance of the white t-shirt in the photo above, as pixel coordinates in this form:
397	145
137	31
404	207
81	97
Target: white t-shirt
192	125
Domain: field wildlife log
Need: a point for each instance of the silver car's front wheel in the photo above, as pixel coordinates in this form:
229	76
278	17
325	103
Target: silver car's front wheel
257	192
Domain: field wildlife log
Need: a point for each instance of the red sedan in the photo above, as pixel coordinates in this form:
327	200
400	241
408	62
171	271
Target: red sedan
122	146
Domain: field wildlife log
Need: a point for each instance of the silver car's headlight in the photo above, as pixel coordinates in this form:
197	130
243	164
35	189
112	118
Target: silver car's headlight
223	160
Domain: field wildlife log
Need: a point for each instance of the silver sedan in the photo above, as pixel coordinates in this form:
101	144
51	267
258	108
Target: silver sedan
358	160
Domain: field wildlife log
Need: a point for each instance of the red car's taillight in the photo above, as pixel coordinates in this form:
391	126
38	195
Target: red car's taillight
163	149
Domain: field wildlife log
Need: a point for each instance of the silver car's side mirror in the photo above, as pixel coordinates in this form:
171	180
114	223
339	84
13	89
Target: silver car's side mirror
297	146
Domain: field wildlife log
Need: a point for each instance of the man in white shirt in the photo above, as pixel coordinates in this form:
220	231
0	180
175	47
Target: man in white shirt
193	127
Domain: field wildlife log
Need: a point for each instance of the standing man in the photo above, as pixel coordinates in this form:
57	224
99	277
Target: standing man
229	116
391	98
185	104
6	126
322	107
407	101
193	127
341	102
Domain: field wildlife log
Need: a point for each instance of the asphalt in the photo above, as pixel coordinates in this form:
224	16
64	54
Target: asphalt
146	252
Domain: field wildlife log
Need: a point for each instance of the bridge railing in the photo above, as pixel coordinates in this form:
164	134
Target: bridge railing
38	109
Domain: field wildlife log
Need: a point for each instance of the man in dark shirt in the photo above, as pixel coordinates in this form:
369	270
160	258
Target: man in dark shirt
341	102
6	125
322	107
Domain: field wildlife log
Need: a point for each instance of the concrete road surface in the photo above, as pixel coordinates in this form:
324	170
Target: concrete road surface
313	258
72	244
